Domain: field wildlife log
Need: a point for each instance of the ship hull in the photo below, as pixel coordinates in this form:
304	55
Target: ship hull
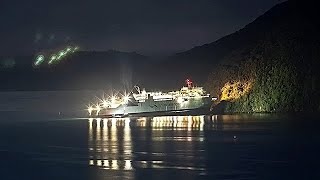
157	108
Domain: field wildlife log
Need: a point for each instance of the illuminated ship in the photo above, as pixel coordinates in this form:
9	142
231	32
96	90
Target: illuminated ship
186	100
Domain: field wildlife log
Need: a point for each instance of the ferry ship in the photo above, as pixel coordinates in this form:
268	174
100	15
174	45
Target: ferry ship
187	100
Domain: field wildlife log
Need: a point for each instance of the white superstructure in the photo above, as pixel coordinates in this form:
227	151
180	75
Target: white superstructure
186	97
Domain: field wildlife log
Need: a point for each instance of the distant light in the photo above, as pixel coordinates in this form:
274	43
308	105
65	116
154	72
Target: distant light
39	60
7	63
58	56
61	53
52	58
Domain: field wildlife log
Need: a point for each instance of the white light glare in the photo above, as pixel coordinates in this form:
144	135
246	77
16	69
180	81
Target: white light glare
90	109
97	109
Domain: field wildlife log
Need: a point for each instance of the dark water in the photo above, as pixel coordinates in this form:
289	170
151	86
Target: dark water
191	147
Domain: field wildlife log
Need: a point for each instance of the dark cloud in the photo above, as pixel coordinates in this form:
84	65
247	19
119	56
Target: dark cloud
146	26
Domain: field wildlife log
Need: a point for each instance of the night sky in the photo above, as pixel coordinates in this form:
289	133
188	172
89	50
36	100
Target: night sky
151	27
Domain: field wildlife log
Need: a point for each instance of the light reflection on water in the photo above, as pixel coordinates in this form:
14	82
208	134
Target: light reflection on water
186	147
197	144
111	142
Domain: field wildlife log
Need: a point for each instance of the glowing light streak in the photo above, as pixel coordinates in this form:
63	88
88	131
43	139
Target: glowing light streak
57	56
39	60
61	53
52	59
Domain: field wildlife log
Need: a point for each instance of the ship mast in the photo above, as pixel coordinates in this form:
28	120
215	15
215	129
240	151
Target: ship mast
189	83
138	89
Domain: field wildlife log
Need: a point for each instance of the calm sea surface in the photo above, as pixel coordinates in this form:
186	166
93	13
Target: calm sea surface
45	145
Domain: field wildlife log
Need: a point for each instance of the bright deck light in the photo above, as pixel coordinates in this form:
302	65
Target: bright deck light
97	109
105	103
90	109
180	100
113	99
126	99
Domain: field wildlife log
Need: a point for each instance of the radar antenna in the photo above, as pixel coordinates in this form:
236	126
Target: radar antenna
138	89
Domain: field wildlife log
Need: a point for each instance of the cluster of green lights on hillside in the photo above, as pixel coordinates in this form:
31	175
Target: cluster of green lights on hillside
55	57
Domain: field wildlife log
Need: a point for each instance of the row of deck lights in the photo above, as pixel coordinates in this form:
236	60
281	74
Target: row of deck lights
105	103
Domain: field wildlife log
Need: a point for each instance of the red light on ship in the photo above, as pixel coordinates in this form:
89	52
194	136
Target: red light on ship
189	83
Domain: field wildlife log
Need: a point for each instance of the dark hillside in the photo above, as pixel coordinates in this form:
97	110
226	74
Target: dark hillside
277	68
285	20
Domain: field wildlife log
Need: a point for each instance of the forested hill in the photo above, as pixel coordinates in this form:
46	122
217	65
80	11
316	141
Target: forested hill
283	19
270	65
